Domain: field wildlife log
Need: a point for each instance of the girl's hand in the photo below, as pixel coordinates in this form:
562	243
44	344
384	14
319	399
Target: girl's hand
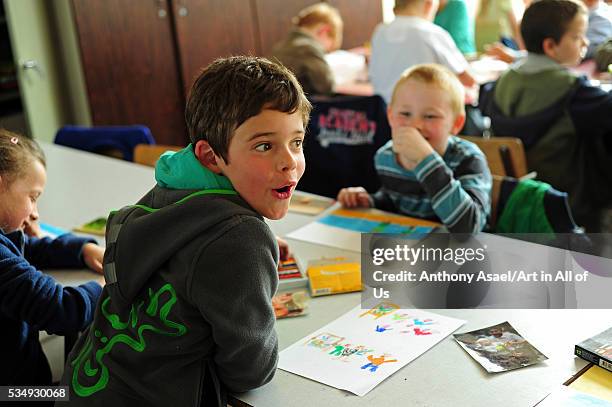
92	256
354	197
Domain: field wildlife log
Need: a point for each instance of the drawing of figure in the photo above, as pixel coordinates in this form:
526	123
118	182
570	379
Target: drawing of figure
400	317
375	362
381	310
419	322
350	351
383	328
324	341
338	349
424	331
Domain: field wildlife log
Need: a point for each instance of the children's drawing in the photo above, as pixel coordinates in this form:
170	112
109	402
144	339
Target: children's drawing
363	347
376	362
342	228
383	328
324	341
381	310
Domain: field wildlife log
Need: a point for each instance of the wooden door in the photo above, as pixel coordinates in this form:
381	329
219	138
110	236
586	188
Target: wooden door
129	61
36	66
207	30
360	18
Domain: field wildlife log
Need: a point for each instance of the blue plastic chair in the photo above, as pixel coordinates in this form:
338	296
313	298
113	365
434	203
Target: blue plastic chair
95	139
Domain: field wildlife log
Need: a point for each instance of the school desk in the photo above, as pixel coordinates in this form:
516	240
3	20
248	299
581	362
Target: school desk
81	186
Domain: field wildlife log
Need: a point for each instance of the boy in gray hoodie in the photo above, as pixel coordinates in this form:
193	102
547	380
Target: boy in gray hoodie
190	270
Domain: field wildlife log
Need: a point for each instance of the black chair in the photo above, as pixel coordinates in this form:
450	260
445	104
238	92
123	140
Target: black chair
343	135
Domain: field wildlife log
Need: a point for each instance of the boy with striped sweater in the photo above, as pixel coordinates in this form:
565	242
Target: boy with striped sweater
426	171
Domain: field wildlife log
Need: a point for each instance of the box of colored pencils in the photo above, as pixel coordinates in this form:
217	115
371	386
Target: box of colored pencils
290	275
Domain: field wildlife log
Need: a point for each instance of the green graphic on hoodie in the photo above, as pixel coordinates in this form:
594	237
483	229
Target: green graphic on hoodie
91	362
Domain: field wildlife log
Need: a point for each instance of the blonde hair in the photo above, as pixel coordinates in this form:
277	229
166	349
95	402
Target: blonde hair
320	13
16	153
440	77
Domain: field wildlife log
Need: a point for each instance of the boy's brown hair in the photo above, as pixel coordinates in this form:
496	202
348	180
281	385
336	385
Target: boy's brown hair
438	76
548	19
16	153
321	13
229	91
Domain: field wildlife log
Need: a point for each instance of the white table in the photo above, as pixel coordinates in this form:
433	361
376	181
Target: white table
82	186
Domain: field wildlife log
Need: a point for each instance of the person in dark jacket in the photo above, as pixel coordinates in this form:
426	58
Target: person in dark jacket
317	29
186	314
563	121
31	301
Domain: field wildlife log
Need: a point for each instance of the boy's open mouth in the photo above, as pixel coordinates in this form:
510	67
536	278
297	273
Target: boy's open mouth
284	189
284	192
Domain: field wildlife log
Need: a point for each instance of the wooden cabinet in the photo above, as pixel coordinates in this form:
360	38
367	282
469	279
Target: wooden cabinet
140	57
130	66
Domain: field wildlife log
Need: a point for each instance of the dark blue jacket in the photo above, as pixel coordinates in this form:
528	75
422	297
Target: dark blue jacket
31	301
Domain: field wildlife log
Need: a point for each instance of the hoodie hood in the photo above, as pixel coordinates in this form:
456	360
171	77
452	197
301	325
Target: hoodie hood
182	170
141	238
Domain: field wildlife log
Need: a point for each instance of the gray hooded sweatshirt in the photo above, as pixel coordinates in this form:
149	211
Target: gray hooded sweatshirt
186	312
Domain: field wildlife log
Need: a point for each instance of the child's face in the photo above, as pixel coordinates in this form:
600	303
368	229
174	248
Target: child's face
572	46
266	161
426	108
18	199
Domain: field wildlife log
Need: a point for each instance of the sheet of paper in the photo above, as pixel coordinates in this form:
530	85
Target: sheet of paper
342	228
363	347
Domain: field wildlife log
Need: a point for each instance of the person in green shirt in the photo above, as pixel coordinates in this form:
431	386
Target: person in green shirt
453	17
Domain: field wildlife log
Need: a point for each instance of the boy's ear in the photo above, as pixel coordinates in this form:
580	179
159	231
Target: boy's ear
206	156
549	47
458	124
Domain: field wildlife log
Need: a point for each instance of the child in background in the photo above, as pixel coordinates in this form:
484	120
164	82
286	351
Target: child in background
600	24
317	30
409	40
31	301
563	121
186	314
496	21
453	16
425	170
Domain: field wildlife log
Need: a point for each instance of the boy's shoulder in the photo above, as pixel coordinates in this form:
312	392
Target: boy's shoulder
459	149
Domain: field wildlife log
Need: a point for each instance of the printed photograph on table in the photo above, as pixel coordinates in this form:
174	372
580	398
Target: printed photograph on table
499	348
290	304
359	350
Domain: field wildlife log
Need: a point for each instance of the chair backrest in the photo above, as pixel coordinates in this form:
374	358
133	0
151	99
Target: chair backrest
148	154
505	155
343	135
554	203
99	139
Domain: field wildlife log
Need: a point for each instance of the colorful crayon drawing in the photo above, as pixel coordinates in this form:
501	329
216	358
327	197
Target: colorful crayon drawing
400	317
370	222
324	341
337	351
364	346
383	328
416	331
381	310
421	322
376	362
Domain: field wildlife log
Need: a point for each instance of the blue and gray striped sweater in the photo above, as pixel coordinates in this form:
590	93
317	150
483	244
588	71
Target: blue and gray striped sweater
454	189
